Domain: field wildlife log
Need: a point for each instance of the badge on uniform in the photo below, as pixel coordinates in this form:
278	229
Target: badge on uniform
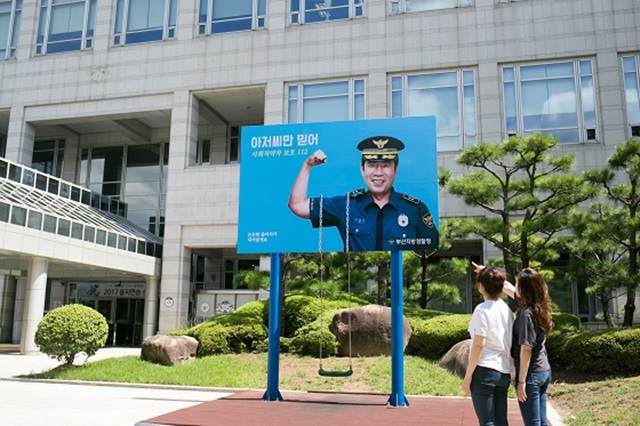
427	219
403	220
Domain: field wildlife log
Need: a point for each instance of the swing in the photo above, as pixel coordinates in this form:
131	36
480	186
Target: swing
322	371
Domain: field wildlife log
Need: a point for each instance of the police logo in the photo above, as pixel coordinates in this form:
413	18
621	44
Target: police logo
427	219
403	220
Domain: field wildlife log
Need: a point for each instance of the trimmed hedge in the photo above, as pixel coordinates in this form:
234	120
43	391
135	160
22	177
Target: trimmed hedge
69	330
432	338
565	327
237	332
614	351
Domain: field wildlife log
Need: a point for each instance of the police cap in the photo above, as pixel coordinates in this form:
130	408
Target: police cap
380	148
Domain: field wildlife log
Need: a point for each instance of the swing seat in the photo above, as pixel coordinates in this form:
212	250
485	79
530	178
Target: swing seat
335	373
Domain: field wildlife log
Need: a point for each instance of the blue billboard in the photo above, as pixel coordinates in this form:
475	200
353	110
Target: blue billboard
364	185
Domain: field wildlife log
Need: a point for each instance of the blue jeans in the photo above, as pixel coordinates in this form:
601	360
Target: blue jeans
534	409
489	395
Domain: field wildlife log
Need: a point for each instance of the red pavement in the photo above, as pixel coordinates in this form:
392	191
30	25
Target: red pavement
327	409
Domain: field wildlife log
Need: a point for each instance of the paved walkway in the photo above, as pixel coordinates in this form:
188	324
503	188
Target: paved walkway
59	403
25	402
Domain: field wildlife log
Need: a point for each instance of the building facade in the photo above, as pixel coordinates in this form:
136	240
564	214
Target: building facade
144	102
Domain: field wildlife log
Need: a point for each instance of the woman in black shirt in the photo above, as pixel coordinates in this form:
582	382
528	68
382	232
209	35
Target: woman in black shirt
532	325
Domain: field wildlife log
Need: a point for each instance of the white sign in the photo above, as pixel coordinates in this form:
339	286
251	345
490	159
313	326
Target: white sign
112	290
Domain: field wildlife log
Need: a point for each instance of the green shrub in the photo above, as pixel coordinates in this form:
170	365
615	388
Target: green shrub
246	337
432	338
299	311
307	342
605	351
212	339
565	327
237	332
69	330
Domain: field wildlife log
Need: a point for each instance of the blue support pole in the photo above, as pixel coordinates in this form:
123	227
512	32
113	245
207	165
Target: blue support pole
273	360
397	397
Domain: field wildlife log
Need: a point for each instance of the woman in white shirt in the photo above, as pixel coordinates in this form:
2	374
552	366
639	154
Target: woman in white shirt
489	371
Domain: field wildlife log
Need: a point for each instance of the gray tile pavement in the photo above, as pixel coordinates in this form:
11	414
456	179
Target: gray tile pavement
54	403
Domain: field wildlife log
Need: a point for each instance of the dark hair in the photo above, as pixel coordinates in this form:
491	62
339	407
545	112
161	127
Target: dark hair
535	294
492	279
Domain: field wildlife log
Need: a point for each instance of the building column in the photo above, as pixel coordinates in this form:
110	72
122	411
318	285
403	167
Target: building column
20	137
150	325
34	304
176	259
21	290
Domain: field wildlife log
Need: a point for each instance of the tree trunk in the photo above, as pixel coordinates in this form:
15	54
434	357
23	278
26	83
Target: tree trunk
383	283
629	308
424	281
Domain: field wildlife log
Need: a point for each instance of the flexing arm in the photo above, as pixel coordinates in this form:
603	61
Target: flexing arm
298	201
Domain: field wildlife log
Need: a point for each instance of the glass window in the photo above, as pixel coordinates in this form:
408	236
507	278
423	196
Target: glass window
203	152
327	101
10	11
48	157
142	185
408	6
65	25
223	16
140	21
631	71
308	11
554	98
103	170
449	96
234	144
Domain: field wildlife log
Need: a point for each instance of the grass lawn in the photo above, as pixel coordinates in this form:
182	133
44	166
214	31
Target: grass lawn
579	400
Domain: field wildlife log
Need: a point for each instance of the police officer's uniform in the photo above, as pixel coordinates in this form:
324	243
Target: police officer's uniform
403	223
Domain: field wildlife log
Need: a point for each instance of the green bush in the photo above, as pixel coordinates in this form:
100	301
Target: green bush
237	332
565	327
614	351
69	330
212	339
432	338
307	341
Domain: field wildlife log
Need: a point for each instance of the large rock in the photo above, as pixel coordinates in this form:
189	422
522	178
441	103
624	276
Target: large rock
169	350
370	330
456	359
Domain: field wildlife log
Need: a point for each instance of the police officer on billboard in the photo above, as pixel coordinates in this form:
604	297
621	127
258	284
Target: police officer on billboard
379	218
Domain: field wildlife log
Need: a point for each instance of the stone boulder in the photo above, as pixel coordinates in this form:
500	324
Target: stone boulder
169	350
456	359
370	330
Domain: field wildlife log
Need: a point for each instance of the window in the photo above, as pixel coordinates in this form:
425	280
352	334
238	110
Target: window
449	96
408	6
9	27
308	11
328	101
631	71
140	21
203	152
553	98
48	157
65	25
223	16
234	266
234	144
135	174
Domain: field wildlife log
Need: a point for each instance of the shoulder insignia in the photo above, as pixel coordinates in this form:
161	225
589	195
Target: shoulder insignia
410	199
427	219
357	193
